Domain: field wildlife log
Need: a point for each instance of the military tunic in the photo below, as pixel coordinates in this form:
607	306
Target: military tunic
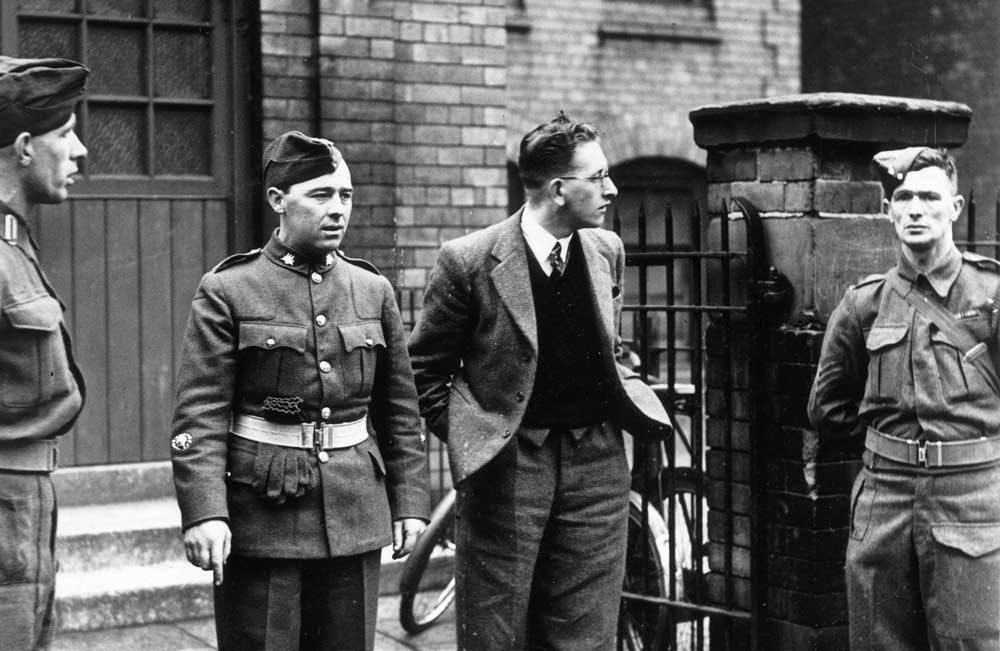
275	335
41	395
923	559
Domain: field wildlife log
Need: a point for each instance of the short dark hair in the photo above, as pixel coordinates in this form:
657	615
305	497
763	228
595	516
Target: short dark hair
940	158
547	150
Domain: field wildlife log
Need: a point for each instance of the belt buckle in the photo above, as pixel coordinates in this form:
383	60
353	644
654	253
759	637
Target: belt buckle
321	434
922	459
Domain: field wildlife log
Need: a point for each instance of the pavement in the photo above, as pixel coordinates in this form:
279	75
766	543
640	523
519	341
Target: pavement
199	635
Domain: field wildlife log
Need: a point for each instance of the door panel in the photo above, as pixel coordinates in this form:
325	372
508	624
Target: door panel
166	175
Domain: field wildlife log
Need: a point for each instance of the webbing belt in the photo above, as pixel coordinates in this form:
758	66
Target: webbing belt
325	436
933	454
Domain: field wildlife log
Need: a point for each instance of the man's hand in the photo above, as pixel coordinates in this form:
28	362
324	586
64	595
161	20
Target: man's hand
207	546
404	535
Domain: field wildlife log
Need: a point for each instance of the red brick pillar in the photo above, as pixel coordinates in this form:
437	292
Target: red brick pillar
804	162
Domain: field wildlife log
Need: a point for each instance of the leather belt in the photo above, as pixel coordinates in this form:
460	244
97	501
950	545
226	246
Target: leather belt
933	454
29	456
324	436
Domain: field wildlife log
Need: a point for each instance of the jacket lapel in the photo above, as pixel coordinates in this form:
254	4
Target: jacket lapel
511	278
599	273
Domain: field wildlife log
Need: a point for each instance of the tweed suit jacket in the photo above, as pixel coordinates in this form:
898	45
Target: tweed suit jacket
475	349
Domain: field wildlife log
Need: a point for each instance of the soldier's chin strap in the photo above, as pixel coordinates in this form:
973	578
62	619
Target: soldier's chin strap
975	352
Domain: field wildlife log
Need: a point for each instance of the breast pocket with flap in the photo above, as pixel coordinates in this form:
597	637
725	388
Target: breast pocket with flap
271	357
886	344
362	344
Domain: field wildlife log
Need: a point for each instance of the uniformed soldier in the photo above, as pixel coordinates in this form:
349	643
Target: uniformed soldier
296	438
908	363
41	389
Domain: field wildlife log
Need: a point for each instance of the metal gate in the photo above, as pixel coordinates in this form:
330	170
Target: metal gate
694	325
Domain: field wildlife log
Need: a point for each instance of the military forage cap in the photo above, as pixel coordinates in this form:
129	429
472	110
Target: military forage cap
893	165
294	157
37	95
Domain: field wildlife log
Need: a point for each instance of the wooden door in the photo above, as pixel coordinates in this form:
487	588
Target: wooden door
166	193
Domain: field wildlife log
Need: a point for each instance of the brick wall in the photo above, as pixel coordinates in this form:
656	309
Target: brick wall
637	68
428	100
413	93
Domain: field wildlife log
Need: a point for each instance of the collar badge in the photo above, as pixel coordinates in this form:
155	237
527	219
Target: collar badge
288	259
329	259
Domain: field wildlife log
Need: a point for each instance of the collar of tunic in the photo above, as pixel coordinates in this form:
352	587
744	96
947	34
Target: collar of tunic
15	231
940	278
284	256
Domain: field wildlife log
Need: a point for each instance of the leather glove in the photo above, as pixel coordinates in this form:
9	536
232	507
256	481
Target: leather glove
280	472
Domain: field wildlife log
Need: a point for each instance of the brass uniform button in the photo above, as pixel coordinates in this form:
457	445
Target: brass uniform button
323	456
325	366
321	320
325	413
316	278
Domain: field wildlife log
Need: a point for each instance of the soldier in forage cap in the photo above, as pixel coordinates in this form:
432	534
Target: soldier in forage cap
41	388
908	365
297	448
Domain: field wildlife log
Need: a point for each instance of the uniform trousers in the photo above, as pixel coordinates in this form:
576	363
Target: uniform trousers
27	564
540	544
276	604
923	560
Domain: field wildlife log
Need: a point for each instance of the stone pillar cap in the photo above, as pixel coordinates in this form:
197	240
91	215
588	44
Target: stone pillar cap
848	117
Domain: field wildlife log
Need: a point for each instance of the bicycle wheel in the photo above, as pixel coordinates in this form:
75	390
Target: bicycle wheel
425	596
642	625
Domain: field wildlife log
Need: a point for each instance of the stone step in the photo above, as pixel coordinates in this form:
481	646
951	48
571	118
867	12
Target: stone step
125	482
119	535
170	591
132	595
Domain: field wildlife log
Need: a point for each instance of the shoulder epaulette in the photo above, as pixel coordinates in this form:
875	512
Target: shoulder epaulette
869	280
237	259
358	262
981	261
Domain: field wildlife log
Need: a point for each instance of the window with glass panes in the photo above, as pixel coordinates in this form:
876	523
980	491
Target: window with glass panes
150	108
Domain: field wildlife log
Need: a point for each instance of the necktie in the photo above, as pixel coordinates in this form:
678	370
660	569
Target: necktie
555	259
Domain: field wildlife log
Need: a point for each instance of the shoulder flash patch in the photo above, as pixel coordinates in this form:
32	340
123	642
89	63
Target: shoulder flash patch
981	261
870	280
358	262
236	259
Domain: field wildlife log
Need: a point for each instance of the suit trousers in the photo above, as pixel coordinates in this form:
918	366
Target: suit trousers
278	604
923	559
540	544
27	564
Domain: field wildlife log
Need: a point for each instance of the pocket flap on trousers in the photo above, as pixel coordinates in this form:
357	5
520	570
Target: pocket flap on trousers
975	539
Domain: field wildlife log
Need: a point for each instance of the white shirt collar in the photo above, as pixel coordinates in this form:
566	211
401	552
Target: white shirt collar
540	241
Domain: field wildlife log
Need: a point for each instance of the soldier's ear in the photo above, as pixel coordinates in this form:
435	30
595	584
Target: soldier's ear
959	204
276	198
23	149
